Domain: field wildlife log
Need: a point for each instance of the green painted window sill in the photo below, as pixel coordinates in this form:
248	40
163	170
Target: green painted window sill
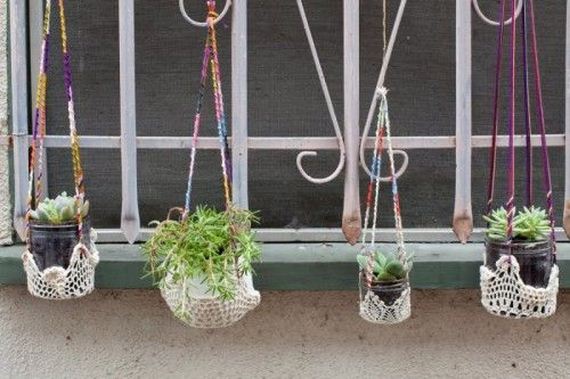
296	266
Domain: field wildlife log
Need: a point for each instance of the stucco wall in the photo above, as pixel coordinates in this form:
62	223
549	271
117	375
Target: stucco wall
5	208
130	333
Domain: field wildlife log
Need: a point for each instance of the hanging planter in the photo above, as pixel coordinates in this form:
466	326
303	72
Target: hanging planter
203	266
519	277
202	262
384	287
60	258
384	277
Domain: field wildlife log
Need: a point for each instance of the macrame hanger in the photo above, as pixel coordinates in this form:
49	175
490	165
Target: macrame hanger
383	132
210	60
547	176
496	109
526	104
510	203
39	126
380	84
527	18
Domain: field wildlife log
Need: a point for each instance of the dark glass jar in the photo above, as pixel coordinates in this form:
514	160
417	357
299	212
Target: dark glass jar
388	292
535	259
52	245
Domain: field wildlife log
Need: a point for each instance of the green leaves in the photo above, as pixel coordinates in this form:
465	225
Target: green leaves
61	210
529	224
208	244
385	266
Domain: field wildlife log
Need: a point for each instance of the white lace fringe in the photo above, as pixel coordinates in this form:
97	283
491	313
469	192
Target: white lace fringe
503	293
57	283
207	311
374	310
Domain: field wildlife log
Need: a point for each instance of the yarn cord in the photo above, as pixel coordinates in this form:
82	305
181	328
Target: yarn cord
39	125
210	61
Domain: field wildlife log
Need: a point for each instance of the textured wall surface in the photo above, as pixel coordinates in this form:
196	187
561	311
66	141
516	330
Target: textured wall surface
131	333
5	209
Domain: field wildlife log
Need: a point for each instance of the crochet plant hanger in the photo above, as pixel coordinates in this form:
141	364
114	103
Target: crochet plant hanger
207	310
56	282
384	302
503	291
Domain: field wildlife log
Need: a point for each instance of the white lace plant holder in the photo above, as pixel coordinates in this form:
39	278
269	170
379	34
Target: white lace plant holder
193	304
503	293
374	310
57	283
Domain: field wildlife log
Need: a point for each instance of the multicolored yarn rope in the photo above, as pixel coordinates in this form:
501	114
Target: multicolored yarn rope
383	132
528	16
211	59
39	126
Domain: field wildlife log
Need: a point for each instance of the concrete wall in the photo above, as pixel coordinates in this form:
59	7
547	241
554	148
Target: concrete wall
130	333
5	206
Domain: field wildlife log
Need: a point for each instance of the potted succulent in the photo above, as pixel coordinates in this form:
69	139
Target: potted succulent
531	243
54	230
384	274
206	252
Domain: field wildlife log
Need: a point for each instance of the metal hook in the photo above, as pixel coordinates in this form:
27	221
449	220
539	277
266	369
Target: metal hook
487	20
330	107
205	23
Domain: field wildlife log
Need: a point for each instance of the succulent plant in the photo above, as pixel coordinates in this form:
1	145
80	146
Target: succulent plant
386	267
61	210
530	224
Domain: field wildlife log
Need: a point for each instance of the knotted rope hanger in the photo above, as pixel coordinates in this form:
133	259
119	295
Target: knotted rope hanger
528	16
210	60
377	93
383	132
39	126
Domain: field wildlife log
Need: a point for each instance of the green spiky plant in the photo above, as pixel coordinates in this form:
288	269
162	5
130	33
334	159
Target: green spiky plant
61	210
386	267
531	224
208	245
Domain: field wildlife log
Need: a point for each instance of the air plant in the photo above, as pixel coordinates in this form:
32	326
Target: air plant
530	224
386	267
217	247
61	210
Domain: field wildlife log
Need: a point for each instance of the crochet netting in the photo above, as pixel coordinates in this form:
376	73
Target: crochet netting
503	293
57	283
209	312
374	310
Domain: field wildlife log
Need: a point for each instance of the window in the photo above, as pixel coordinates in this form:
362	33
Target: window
284	111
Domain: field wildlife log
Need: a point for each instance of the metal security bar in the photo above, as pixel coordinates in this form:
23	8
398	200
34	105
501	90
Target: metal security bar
128	142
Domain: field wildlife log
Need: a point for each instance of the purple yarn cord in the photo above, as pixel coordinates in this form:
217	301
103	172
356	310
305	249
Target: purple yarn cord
67	76
526	102
542	125
510	204
197	123
493	152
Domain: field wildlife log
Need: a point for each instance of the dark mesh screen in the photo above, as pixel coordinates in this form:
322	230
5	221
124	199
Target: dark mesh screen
285	100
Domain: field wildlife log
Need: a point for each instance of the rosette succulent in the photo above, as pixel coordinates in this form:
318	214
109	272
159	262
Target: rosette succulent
386	267
61	210
530	224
